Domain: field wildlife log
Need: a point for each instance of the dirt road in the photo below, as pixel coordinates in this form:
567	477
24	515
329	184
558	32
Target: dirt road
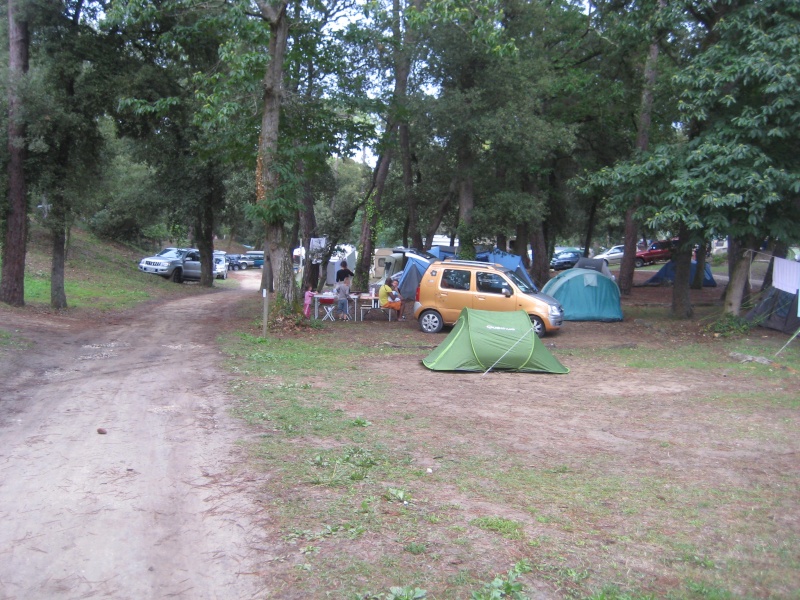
118	468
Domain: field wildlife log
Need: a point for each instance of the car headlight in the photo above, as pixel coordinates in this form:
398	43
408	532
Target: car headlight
555	310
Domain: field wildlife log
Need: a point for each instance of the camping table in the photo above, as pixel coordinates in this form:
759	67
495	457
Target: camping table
331	299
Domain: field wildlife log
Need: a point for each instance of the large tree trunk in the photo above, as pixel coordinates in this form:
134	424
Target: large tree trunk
540	267
627	267
308	229
521	244
587	242
371	212
681	300
741	252
267	177
58	227
280	268
205	243
402	71
12	279
466	202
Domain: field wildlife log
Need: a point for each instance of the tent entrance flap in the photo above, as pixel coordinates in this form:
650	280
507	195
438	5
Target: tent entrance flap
482	340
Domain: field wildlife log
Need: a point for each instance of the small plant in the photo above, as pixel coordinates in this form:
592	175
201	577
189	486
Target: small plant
397	495
415	548
505	527
406	593
360	422
505	587
708	592
614	593
729	325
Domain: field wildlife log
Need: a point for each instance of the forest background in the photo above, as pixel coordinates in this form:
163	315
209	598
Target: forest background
520	123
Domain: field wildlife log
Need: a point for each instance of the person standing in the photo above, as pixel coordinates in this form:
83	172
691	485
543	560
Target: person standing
343	299
343	273
308	298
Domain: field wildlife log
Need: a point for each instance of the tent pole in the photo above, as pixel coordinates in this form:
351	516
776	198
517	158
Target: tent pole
787	343
509	350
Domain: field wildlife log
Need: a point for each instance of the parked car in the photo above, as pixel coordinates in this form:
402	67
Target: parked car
220	266
233	262
719	247
448	286
252	258
612	256
564	260
655	252
177	264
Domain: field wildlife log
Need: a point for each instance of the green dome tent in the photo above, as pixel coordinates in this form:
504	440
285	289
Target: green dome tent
586	295
484	340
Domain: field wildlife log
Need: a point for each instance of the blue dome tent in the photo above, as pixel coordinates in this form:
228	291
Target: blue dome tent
586	295
667	273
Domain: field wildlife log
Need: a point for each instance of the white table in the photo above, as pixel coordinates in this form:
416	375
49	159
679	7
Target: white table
332	298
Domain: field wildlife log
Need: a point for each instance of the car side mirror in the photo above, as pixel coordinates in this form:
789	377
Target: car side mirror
507	292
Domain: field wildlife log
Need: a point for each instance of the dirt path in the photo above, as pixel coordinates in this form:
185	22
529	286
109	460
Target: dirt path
152	508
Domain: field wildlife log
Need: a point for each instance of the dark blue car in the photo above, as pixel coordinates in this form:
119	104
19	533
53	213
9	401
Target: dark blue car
564	260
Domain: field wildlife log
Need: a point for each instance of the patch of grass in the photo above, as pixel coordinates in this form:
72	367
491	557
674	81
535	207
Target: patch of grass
583	520
415	548
10	340
728	325
98	275
508	528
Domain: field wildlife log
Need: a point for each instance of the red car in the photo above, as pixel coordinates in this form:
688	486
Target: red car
655	252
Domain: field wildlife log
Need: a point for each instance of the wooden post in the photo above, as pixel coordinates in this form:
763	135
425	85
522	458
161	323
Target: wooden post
265	316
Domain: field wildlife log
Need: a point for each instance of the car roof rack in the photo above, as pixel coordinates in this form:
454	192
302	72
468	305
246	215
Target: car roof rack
470	263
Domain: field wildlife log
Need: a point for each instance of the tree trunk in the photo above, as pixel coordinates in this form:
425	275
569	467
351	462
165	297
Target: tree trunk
280	269
466	202
521	244
681	300
371	212
627	267
587	243
540	267
58	228
205	243
12	279
739	274
267	182
308	228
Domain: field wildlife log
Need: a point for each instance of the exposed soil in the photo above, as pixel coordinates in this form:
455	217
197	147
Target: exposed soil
120	475
118	460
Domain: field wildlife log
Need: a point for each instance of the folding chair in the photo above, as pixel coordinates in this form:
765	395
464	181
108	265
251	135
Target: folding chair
328	305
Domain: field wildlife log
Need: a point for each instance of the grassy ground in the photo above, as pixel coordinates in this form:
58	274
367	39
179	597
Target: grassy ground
99	275
357	511
366	495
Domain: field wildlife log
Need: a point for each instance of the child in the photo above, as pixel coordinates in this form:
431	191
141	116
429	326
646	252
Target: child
308	298
343	299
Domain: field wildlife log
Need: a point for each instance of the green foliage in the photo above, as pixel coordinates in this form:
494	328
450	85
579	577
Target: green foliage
733	172
614	593
505	586
728	325
406	593
397	495
505	527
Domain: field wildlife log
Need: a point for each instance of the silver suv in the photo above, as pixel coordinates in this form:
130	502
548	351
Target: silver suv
177	264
